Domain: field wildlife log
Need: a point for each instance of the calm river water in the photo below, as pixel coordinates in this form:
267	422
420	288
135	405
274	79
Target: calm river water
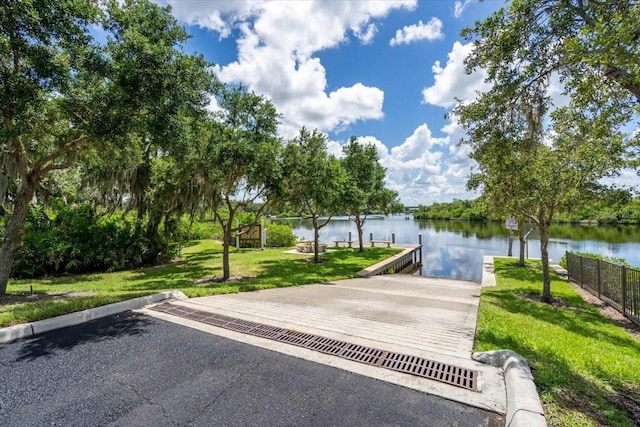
455	249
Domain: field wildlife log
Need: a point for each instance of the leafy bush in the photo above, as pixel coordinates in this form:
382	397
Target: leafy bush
279	235
79	240
198	230
613	260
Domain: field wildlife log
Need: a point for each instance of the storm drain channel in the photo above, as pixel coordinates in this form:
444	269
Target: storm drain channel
418	366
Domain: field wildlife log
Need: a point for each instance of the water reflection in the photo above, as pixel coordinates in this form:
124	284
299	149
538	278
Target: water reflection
455	249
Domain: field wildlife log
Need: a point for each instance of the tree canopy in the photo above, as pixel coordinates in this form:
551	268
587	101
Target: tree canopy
535	158
365	189
241	157
591	46
64	97
314	180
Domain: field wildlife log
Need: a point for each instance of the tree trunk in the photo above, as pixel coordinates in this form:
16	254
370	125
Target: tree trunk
226	271
316	237
152	225
14	230
543	227
522	244
359	228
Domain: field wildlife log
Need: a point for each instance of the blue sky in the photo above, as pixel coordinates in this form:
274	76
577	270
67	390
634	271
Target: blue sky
384	71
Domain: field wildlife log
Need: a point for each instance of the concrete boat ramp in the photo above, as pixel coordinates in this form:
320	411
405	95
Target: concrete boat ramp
408	330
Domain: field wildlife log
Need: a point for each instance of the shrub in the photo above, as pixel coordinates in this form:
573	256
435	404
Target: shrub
78	240
612	260
198	230
279	235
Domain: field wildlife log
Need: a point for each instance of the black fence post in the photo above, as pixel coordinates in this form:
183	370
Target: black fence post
598	275
623	280
580	257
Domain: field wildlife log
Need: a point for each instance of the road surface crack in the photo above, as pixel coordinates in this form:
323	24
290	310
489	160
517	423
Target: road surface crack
228	386
146	399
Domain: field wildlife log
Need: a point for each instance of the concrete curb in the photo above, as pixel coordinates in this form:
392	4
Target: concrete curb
488	275
523	403
26	330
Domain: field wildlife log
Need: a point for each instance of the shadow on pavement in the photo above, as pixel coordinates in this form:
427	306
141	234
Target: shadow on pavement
126	323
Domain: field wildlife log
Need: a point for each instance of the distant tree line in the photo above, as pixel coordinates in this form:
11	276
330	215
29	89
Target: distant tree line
610	207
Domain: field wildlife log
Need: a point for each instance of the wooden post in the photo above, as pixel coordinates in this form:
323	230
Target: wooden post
349	238
371	238
420	243
393	238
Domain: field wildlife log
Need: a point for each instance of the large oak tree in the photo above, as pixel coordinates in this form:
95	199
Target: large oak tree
65	97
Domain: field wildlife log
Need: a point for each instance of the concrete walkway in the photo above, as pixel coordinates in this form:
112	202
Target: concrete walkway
425	317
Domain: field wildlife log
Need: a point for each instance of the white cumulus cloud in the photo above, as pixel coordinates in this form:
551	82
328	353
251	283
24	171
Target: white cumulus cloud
276	46
424	168
451	82
432	30
459	7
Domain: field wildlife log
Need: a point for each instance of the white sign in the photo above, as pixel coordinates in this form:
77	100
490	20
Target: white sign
511	224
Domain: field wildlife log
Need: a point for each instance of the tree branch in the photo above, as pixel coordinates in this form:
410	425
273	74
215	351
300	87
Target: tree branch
622	77
65	149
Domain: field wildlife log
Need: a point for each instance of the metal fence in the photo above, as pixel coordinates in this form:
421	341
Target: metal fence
616	284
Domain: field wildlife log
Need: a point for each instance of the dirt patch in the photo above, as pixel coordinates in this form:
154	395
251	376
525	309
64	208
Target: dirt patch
311	260
628	400
609	312
605	309
582	403
214	279
40	296
555	301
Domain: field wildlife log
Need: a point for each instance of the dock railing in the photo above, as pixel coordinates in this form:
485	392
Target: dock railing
616	284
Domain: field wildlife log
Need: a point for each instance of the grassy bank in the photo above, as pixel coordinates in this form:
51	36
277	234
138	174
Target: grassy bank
586	368
252	270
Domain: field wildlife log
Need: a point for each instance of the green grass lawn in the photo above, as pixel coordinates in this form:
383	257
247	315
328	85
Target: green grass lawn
271	268
586	368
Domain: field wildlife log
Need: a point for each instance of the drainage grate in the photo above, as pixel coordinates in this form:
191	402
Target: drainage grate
442	372
413	365
327	345
362	354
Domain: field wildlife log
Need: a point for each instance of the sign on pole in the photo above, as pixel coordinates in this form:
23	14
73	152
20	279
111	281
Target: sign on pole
511	224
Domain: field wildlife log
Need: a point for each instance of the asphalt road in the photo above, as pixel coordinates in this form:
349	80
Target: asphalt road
133	370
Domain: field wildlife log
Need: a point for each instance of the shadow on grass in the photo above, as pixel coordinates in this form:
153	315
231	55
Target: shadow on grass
97	330
579	317
202	256
63	280
587	324
570	391
301	271
167	276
